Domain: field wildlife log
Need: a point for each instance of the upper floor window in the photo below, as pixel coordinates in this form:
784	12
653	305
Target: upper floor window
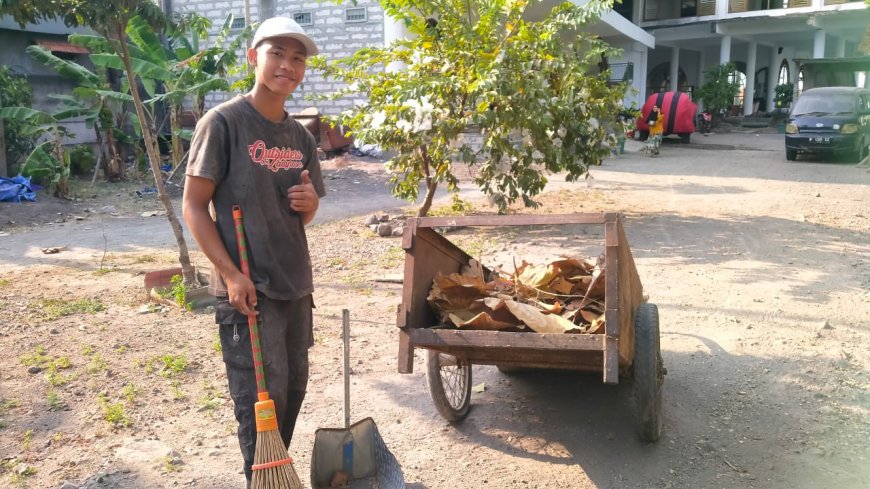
303	18
358	14
238	23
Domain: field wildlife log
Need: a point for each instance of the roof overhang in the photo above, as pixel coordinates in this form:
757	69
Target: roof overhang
853	63
611	27
61	47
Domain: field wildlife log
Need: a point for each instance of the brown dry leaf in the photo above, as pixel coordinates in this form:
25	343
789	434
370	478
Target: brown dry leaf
554	308
538	321
481	321
569	267
561	286
535	276
597	326
455	292
589	316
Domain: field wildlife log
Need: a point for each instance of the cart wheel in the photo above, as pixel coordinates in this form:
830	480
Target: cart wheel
648	373
449	381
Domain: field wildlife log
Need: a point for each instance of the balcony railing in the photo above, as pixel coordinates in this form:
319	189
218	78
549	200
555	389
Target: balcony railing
676	9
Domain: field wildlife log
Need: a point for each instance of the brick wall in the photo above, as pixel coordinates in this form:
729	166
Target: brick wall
334	36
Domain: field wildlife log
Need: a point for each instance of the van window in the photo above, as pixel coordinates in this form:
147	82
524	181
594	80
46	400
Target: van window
821	104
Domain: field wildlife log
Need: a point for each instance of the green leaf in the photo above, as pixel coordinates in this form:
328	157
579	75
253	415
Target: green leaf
67	69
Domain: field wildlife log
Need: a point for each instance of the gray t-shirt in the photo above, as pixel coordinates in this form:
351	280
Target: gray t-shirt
253	161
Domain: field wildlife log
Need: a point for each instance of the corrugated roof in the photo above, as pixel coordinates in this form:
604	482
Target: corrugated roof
62	47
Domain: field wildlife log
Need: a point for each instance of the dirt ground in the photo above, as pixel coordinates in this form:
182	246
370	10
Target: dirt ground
760	269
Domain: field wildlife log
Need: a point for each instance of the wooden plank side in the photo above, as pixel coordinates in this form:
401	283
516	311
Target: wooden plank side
430	254
589	361
440	339
513	220
630	296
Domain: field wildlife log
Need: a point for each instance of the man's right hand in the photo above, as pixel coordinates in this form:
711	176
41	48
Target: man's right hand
242	294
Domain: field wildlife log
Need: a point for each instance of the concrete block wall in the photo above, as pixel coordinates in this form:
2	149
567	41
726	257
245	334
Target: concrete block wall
335	38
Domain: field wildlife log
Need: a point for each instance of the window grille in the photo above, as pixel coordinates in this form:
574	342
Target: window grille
238	23
355	15
303	18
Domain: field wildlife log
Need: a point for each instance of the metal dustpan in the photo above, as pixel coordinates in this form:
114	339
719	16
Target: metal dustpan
355	453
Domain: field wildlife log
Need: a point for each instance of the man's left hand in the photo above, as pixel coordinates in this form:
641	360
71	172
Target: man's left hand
303	197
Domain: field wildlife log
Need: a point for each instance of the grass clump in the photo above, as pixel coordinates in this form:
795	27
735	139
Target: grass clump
52	309
55	403
36	358
113	412
173	365
98	364
130	392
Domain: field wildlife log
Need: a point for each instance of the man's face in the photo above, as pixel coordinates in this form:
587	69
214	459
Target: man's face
279	63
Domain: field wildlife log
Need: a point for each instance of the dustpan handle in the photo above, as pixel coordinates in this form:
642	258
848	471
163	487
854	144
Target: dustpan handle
345	333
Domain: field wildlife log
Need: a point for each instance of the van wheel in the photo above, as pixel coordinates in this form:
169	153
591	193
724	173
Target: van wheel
644	135
790	154
685	138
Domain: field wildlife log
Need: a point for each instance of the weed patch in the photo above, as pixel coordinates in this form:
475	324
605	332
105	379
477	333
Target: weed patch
52	309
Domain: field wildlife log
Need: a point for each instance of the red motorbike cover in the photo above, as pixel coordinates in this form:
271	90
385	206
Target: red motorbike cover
677	108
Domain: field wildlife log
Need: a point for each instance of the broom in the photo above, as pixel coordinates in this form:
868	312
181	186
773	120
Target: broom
273	467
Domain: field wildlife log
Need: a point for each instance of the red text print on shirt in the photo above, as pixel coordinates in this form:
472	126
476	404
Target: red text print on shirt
275	158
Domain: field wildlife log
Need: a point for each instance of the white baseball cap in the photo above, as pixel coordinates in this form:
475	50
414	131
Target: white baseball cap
284	27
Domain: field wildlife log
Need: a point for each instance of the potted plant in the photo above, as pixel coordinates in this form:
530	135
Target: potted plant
783	95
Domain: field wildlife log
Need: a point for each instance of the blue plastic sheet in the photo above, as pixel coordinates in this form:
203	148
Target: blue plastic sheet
16	189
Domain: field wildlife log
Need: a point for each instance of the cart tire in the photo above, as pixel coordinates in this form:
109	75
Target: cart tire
508	369
449	382
648	373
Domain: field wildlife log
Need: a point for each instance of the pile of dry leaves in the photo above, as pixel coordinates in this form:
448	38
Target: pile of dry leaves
564	296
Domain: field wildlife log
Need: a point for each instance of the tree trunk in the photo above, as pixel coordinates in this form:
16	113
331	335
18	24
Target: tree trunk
175	126
187	269
431	183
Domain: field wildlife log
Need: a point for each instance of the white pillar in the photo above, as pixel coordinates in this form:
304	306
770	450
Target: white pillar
675	69
749	92
702	63
721	8
393	31
772	79
819	44
840	47
640	73
725	50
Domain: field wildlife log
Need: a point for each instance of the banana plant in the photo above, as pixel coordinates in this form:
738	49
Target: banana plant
102	107
48	163
175	70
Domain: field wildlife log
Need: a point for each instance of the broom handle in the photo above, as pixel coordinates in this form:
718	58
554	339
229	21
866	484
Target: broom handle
252	318
345	332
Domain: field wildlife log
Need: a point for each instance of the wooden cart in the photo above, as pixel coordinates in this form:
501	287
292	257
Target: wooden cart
629	348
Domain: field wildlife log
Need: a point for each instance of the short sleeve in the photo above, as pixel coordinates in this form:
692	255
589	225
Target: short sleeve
209	148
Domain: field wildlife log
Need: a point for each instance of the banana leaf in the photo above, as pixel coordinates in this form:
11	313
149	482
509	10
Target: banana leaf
66	69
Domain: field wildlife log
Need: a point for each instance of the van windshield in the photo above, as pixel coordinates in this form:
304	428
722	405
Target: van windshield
823	104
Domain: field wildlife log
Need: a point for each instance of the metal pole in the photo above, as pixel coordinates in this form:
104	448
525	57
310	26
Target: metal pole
345	333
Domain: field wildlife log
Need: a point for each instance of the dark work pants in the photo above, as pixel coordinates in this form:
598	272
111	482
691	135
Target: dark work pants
285	336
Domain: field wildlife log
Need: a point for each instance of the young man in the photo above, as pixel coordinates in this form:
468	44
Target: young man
249	152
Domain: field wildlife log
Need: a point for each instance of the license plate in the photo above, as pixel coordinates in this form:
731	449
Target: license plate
820	140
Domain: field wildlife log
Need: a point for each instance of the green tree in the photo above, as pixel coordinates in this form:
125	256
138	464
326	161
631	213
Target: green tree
720	89
531	89
97	102
48	162
14	91
110	18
